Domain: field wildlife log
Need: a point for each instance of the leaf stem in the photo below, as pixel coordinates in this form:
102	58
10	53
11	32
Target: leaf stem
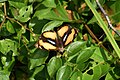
4	15
92	34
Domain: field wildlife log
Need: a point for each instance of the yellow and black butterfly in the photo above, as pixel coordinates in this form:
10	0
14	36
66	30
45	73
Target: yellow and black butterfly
58	39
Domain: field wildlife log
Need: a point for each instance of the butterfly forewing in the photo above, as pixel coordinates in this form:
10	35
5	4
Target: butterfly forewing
62	30
50	34
46	45
48	40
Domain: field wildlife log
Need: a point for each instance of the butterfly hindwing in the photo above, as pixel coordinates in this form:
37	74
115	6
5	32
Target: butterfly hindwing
70	36
67	34
62	31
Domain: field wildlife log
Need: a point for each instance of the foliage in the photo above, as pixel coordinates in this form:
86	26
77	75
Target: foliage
89	57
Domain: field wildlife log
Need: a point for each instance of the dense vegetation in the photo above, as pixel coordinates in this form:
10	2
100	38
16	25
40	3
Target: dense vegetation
94	54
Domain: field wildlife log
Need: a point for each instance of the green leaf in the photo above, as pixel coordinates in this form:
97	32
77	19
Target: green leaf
35	0
115	7
37	70
50	25
4	31
75	47
49	3
4	75
7	45
77	75
62	12
53	65
100	70
92	20
86	77
112	75
64	73
31	79
3	0
10	27
19	34
37	25
52	15
37	58
96	72
16	4
58	14
1	12
42	13
14	11
24	13
82	66
36	62
85	54
8	64
97	56
100	55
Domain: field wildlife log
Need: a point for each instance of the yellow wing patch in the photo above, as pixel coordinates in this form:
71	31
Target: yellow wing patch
70	37
51	35
47	45
62	30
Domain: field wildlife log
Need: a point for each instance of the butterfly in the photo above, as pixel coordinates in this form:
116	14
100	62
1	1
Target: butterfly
58	39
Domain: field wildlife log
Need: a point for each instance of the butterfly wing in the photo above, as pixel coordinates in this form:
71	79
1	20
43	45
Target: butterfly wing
57	40
48	40
67	34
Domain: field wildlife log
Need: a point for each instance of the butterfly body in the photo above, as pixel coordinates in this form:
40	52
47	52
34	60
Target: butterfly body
58	39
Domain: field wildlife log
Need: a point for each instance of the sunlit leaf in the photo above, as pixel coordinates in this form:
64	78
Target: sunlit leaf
50	25
62	73
49	3
85	54
53	65
3	0
16	4
4	76
76	76
10	27
24	13
7	45
75	47
96	72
